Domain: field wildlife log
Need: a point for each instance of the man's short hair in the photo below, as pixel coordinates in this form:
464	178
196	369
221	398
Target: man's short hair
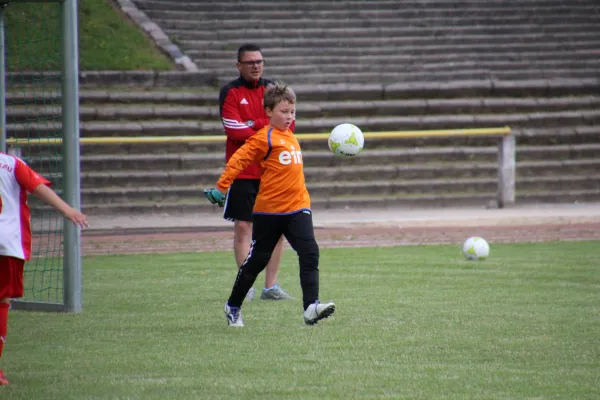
246	48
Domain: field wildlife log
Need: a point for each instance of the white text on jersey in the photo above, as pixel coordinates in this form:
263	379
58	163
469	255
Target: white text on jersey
286	157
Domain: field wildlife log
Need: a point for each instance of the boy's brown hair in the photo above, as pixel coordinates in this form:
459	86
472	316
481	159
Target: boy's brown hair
276	93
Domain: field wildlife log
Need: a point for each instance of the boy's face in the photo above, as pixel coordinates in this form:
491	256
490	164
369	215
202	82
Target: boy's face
251	65
282	115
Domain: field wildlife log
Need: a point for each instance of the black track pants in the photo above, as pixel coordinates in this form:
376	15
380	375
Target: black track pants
266	231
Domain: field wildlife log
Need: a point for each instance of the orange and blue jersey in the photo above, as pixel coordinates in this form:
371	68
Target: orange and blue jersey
282	186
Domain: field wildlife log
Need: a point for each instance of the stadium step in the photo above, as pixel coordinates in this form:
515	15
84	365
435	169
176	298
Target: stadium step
227	6
479	199
175	127
407	172
381	46
395	156
187	93
311	110
341	36
337	17
443	34
180	22
335	189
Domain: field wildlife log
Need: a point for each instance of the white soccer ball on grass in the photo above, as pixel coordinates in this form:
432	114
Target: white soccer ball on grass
346	140
476	248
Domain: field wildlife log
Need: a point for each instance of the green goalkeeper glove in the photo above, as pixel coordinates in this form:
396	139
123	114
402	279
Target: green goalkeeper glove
215	196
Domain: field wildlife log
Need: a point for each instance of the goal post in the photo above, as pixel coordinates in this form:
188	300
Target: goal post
2	82
53	279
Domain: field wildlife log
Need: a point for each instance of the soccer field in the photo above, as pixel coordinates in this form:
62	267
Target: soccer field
412	322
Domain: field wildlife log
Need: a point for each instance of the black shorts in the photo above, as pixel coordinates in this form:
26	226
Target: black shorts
240	200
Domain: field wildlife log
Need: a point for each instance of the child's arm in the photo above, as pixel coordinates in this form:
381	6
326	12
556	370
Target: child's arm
253	150
250	152
48	196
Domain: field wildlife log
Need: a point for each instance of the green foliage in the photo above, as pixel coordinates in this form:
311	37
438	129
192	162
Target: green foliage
107	40
414	322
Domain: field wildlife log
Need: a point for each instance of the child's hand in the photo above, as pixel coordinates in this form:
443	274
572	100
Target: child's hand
48	196
215	196
77	217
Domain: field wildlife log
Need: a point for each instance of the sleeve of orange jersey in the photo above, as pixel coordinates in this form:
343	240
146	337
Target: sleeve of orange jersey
254	149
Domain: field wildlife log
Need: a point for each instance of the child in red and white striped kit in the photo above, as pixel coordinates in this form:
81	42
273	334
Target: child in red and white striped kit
16	180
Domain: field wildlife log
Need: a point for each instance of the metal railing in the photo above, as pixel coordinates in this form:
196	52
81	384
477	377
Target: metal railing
506	147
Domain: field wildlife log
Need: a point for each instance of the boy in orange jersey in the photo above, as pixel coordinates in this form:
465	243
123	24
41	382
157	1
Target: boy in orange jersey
282	206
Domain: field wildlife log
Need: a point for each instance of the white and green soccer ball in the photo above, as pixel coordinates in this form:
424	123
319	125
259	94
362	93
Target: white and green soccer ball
476	248
346	140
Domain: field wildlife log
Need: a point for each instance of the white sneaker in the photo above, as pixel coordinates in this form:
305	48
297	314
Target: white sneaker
234	316
250	295
317	311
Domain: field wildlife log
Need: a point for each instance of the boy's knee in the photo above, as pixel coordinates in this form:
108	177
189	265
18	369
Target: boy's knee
309	254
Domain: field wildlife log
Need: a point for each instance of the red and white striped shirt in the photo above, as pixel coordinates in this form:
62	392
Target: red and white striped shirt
16	179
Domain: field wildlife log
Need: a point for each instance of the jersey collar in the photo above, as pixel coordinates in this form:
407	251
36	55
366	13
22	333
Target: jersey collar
249	84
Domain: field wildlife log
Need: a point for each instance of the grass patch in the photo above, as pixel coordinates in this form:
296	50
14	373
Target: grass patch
414	322
107	40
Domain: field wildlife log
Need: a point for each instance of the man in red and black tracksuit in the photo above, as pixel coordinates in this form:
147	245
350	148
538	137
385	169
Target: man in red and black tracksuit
243	114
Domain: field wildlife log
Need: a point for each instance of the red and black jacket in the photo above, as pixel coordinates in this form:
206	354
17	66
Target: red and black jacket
241	101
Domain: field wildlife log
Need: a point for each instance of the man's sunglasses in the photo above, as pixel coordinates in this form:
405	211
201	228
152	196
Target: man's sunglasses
253	62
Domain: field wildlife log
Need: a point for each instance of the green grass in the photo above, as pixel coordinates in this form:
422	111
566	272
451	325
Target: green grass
415	322
107	40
